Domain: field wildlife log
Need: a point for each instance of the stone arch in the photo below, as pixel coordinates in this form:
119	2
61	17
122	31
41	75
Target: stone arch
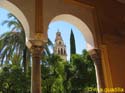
18	13
80	25
86	32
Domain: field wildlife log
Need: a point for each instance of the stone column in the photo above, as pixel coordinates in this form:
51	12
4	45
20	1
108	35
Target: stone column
36	45
36	69
96	57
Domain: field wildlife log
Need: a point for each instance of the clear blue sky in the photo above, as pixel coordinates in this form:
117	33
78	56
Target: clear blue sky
63	27
3	16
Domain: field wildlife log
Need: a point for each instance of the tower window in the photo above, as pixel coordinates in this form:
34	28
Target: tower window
61	51
60	42
64	52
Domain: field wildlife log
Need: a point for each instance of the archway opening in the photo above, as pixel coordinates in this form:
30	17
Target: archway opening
13	19
82	33
14	61
12	35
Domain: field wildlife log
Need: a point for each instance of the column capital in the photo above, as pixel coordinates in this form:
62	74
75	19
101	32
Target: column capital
95	54
38	40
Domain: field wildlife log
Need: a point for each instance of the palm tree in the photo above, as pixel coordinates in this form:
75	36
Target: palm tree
13	43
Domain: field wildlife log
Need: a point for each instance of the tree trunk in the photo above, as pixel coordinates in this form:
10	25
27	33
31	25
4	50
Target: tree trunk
25	64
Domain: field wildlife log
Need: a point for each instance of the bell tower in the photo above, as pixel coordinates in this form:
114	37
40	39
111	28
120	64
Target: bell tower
60	47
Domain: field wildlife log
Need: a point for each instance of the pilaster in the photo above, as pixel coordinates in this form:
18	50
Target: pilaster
96	57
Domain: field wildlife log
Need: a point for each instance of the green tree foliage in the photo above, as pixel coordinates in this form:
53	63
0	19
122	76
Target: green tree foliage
68	77
58	76
84	75
72	43
53	74
13	80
